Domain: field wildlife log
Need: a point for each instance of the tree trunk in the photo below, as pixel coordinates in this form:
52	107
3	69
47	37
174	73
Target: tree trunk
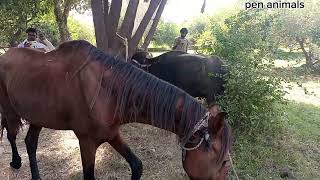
98	11
125	31
61	12
106	24
142	27
128	21
307	54
112	24
13	42
203	6
154	25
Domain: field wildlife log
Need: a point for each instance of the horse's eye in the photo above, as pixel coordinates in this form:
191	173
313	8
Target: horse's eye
225	162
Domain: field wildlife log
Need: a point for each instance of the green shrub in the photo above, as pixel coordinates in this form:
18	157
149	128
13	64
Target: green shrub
165	34
252	88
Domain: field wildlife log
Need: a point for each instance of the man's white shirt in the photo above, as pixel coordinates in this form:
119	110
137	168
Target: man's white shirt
38	45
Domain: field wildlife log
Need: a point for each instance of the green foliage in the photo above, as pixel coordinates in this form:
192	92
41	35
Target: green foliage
15	17
299	29
196	27
252	88
81	31
303	23
47	25
204	43
165	34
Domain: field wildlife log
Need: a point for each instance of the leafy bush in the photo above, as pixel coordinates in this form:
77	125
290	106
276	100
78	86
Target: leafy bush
252	89
165	34
81	31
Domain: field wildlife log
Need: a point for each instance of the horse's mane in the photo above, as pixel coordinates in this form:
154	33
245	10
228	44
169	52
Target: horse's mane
138	92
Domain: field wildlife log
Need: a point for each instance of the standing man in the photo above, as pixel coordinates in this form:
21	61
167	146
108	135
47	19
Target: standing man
33	42
181	43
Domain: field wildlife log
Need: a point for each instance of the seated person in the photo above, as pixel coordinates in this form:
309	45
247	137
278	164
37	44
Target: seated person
33	42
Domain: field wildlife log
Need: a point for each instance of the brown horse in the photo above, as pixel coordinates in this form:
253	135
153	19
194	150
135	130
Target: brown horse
78	87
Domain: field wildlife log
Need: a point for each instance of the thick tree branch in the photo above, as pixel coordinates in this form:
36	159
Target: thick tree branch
301	42
98	17
106	14
113	21
67	8
154	25
203	6
143	25
62	20
129	18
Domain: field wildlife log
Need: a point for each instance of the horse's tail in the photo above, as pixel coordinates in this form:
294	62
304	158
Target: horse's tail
3	120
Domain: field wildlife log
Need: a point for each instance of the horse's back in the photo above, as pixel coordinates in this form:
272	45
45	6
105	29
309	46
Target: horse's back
37	85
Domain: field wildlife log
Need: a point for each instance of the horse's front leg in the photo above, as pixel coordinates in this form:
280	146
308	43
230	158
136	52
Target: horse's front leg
135	163
31	141
88	148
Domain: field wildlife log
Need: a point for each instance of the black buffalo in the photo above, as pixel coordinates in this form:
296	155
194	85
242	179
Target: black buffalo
198	75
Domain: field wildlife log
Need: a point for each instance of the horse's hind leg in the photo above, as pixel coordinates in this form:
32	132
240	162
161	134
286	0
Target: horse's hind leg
12	124
16	159
31	141
135	163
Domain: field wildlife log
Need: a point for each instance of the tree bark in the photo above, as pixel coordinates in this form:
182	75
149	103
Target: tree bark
143	25
129	18
106	21
112	23
307	54
61	11
98	17
13	42
203	6
154	25
127	26
106	6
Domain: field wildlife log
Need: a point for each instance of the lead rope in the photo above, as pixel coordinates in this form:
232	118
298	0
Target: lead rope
232	166
93	101
125	42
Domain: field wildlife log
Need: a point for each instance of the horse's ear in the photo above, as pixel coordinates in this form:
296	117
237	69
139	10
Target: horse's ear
218	122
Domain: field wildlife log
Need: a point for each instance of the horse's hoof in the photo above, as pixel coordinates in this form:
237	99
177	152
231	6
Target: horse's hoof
16	164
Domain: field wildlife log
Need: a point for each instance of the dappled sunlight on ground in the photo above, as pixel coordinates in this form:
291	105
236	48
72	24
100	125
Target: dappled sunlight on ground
307	92
286	64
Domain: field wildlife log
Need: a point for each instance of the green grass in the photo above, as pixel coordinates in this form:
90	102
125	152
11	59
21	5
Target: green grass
295	150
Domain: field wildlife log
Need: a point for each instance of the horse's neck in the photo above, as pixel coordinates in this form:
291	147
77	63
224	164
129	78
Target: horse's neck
175	128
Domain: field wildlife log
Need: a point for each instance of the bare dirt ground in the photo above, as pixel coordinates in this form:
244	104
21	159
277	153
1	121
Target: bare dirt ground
59	156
